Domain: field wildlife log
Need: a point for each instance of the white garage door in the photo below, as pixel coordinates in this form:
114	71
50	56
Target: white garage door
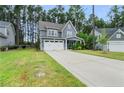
116	46
53	45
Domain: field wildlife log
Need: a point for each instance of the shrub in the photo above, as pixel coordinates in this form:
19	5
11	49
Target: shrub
5	48
13	47
88	40
77	46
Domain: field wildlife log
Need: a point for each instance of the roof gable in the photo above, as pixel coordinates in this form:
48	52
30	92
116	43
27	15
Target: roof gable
69	22
3	26
112	33
119	31
69	28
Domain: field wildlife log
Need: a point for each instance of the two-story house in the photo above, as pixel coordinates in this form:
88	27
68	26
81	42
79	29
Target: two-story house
54	36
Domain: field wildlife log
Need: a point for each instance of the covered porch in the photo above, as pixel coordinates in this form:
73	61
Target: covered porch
72	41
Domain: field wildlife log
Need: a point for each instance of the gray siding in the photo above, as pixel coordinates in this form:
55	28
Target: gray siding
59	34
69	29
3	41
11	36
10	40
113	38
43	33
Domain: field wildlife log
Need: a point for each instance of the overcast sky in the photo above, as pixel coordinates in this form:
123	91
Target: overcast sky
100	10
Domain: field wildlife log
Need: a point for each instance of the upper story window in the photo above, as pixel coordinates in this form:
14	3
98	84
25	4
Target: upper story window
118	35
51	32
69	33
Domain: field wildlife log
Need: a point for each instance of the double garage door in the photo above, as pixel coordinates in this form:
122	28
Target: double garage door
53	44
116	46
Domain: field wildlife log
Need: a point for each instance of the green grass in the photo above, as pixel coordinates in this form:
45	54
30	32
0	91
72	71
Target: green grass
113	55
19	68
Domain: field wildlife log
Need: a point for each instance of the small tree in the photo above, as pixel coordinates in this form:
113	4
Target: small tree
103	39
37	45
88	39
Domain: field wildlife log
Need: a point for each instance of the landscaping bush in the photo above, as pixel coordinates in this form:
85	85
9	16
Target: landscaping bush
88	40
5	48
77	46
2	49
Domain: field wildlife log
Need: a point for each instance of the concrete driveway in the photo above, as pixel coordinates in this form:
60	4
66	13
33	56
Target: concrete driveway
91	70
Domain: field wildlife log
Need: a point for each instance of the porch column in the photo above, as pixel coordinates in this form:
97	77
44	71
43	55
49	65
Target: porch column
65	44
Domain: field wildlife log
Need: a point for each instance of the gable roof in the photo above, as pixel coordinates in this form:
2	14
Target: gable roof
109	31
71	25
43	25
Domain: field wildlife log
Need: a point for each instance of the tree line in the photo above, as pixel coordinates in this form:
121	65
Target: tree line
25	19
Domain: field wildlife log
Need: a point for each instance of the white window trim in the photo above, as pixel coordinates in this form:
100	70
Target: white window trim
118	35
119	30
50	31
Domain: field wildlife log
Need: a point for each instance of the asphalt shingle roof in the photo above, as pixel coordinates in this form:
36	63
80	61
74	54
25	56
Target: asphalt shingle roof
109	31
43	25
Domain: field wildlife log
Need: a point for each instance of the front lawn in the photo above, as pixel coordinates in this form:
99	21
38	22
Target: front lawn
113	55
31	68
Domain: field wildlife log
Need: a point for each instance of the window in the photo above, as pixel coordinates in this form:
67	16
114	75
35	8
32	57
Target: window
118	35
69	33
61	41
46	41
52	41
51	32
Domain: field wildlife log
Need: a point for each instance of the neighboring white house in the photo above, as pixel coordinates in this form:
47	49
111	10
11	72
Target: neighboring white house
7	34
54	36
115	41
